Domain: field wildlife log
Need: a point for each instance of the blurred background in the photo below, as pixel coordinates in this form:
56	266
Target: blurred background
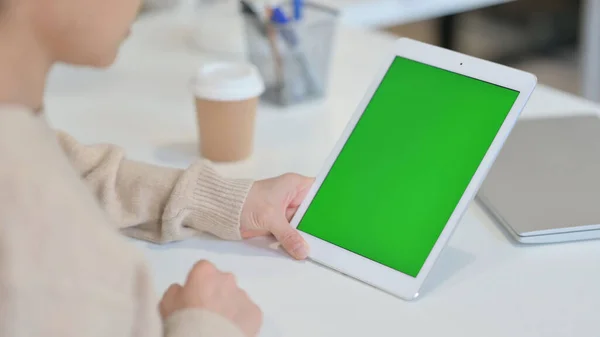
540	36
558	40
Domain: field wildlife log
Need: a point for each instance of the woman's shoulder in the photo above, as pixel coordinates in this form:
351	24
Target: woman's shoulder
26	141
14	113
17	120
40	189
57	243
20	131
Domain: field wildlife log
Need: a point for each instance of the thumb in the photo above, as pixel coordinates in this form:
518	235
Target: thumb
167	304
290	239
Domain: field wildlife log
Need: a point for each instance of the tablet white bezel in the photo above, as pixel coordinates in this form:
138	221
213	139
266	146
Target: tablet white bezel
373	273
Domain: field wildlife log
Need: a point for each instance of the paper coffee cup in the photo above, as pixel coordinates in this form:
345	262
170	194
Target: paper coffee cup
227	96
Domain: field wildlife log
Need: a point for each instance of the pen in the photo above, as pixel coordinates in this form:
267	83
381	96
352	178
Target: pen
282	20
291	38
249	10
266	30
298	6
271	34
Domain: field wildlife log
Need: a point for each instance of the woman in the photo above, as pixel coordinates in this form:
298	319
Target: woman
63	270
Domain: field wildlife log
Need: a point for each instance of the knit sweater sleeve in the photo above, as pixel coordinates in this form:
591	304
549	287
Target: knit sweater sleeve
159	204
63	271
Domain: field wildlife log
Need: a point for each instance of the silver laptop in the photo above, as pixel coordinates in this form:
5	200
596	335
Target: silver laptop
545	184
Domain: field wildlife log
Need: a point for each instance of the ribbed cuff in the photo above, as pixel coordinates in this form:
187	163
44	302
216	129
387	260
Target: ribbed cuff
217	203
199	323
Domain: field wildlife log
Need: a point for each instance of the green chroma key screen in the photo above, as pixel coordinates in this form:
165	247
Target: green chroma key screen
407	163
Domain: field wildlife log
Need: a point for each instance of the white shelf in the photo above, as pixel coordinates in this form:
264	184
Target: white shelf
382	13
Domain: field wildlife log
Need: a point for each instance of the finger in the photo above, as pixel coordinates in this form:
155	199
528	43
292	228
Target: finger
306	181
199	272
290	239
290	212
169	297
172	292
303	190
298	199
256	318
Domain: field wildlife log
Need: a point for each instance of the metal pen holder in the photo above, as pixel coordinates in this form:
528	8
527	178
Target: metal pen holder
293	58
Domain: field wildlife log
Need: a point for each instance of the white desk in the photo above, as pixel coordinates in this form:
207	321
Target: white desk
483	285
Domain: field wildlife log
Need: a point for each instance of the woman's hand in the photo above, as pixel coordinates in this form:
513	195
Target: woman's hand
210	289
270	206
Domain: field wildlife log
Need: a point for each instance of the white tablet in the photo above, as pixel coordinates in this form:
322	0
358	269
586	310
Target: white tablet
409	163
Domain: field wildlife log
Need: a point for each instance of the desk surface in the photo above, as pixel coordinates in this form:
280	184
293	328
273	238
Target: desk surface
381	13
483	285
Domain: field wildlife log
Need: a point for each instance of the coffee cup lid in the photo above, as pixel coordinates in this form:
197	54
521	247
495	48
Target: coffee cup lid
224	81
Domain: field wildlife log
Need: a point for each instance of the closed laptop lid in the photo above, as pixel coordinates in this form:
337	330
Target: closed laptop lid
546	179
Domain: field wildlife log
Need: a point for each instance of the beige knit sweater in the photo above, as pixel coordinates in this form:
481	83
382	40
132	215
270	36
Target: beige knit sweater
64	270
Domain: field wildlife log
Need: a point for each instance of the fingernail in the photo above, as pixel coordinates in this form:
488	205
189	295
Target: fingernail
300	251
